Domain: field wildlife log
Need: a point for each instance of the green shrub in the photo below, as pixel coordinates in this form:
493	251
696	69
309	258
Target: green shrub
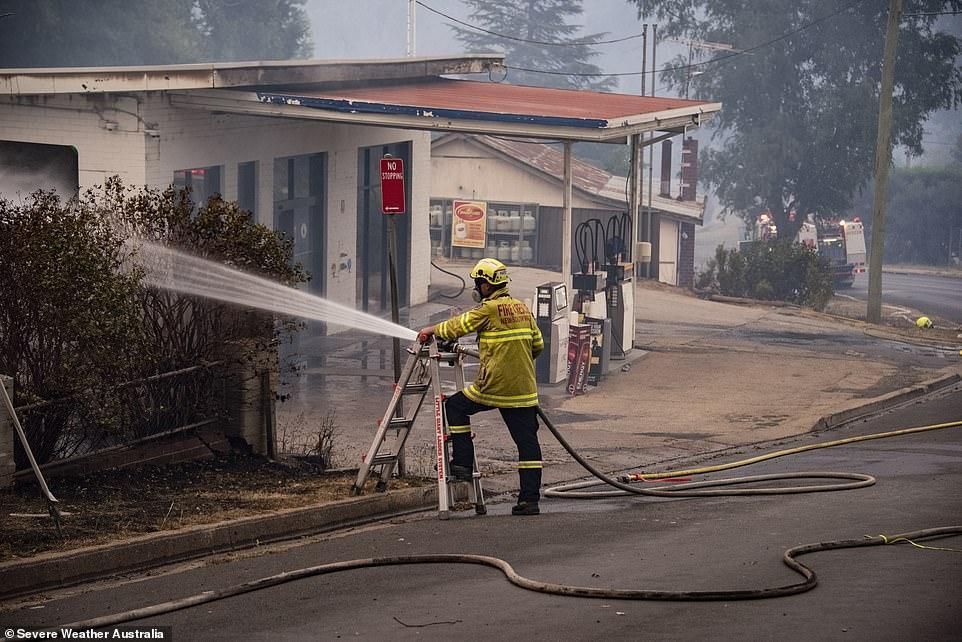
770	271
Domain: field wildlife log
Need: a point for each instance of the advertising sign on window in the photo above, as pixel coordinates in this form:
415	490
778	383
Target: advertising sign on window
469	225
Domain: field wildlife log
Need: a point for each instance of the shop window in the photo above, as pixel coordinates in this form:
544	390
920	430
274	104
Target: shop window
27	167
247	187
511	232
372	274
300	187
203	182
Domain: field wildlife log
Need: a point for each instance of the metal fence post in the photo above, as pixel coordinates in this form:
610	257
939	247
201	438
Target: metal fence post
269	414
7	464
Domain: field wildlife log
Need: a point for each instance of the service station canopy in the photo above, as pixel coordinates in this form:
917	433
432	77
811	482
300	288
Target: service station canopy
448	105
407	93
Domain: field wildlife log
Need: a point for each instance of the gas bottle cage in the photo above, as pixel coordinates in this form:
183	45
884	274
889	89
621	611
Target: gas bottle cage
420	375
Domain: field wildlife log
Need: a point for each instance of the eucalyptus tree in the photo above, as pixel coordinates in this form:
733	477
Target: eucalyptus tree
796	134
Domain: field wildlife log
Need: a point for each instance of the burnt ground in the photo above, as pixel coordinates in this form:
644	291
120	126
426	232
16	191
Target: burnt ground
122	503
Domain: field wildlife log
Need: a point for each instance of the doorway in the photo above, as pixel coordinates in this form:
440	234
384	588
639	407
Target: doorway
300	186
373	284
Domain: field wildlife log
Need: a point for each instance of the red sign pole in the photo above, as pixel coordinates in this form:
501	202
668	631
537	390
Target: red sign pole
392	202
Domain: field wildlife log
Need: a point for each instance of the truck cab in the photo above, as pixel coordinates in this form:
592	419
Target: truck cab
843	244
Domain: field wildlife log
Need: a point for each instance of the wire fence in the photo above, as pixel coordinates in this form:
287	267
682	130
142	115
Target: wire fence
102	418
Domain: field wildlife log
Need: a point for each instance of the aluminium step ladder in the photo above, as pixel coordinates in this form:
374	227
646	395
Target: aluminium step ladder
421	374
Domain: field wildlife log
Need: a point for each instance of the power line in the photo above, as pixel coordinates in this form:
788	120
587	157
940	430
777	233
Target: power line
572	43
699	64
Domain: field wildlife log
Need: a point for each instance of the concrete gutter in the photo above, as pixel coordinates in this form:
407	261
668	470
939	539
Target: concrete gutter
57	570
896	398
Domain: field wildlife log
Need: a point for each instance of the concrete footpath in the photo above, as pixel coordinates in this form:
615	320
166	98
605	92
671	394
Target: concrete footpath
706	379
925	270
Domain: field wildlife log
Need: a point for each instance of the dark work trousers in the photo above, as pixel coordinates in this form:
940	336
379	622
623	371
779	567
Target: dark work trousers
522	424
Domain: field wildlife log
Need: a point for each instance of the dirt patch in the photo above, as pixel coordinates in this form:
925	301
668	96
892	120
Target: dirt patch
898	318
894	320
118	504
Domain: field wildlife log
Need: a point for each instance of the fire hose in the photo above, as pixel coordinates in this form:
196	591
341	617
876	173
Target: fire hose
789	558
689	490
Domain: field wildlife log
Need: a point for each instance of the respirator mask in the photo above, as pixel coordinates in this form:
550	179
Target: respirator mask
476	295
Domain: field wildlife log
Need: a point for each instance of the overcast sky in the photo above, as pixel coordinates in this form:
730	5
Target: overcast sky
385	33
337	35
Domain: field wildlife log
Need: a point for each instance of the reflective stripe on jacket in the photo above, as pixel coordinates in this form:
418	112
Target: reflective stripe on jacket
508	341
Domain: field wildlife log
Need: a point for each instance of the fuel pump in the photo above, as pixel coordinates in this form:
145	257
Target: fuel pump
619	290
551	314
591	282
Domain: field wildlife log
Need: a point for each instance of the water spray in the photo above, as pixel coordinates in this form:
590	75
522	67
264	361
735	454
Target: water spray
178	271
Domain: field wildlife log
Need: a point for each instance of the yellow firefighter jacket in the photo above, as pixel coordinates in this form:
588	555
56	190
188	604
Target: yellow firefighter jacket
508	341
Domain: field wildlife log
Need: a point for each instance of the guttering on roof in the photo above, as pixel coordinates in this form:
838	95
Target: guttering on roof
347	106
86	80
442	104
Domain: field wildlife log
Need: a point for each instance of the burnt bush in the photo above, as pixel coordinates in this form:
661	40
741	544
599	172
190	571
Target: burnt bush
77	322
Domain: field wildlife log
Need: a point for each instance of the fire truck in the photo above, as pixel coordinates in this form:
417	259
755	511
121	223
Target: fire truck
841	242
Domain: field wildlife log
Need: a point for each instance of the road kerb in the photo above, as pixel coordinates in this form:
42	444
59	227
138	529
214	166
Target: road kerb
58	570
885	402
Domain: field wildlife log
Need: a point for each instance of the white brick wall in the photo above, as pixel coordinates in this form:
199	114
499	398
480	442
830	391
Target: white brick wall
193	138
461	170
80	121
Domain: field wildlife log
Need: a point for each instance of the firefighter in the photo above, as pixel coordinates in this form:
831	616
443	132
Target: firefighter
508	342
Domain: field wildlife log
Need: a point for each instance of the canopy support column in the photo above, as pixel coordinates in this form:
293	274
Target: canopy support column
566	222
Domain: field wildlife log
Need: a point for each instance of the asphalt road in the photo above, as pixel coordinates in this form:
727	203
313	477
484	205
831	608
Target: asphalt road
933	295
879	593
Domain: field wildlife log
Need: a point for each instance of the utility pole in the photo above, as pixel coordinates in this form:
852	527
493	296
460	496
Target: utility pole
651	147
644	56
412	28
699	44
883	158
636	171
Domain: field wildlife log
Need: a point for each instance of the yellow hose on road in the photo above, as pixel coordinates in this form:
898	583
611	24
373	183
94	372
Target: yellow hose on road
789	451
857	480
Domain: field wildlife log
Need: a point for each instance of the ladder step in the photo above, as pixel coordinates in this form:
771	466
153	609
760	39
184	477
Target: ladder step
401	422
415	388
384	458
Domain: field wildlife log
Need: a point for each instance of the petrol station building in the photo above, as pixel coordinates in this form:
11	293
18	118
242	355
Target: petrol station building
520	183
298	143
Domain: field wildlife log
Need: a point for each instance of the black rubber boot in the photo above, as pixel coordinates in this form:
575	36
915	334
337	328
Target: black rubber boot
530	486
460	473
526	508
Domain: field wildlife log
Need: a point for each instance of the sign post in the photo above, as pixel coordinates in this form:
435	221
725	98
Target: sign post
393	202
